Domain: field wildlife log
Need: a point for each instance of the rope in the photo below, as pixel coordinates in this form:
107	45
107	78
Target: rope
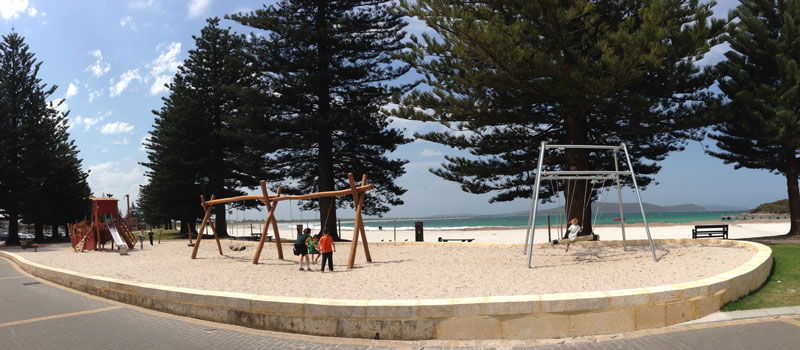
597	212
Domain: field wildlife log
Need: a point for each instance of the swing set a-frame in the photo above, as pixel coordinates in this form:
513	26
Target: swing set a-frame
604	175
271	201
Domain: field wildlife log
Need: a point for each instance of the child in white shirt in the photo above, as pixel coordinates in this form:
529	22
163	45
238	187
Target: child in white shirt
572	231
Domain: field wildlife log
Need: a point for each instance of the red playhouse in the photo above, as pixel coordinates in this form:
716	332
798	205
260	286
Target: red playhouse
106	225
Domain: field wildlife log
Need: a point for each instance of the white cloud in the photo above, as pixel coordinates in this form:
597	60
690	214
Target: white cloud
124	141
10	9
197	7
143	4
32	11
87	123
430	153
72	90
93	94
125	79
115	178
164	67
128	22
98	68
116	128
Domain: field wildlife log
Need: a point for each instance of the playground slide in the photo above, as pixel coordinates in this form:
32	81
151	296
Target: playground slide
117	239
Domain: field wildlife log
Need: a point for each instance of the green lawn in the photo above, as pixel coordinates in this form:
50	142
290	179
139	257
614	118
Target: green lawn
783	285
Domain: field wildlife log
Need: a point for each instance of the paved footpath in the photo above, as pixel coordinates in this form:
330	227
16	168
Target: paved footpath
35	314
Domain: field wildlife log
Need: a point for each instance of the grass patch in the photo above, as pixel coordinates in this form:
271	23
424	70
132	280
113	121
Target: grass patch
782	287
169	234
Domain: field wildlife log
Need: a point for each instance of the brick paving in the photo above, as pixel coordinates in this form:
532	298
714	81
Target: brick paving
37	315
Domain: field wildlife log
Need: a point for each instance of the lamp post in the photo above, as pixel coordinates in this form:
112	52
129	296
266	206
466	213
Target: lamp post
201	181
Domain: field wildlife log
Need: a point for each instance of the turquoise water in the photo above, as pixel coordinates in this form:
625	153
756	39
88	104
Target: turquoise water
541	220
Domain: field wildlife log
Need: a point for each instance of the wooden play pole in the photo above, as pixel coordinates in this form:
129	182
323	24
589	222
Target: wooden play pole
548	229
159	235
363	230
202	226
265	229
189	229
358	226
97	246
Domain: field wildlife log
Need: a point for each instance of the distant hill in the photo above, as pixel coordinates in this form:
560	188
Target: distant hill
776	207
611	207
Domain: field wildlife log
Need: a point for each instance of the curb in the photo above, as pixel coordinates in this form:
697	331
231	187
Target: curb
535	316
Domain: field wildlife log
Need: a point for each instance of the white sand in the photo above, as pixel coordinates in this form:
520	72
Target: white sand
414	271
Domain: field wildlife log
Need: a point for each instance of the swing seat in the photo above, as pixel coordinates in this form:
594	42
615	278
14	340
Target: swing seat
237	249
592	237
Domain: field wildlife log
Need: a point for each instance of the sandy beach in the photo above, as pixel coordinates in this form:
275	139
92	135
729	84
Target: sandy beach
410	271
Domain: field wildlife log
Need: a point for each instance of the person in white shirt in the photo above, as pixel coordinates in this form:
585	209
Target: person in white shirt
572	231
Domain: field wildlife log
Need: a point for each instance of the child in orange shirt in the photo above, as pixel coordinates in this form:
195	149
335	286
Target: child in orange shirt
327	247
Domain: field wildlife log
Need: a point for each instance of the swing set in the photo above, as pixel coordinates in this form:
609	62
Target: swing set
572	177
271	202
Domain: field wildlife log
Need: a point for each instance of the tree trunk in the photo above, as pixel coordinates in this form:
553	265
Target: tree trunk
792	172
219	221
577	192
167	224
56	237
38	227
327	205
13	229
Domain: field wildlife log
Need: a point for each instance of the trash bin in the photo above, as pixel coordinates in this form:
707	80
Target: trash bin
418	231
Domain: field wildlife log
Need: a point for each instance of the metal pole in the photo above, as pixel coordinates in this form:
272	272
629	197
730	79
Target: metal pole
621	213
535	201
395	230
530	221
639	196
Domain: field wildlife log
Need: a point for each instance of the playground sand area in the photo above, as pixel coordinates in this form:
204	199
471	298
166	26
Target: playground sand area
402	271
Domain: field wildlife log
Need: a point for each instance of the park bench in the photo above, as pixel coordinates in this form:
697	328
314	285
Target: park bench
456	239
707	231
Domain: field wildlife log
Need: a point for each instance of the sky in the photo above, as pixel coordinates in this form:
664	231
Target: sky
111	59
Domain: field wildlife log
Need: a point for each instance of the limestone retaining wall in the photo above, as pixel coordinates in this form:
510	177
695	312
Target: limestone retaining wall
508	317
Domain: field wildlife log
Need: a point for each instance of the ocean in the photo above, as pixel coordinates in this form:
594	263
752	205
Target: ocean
474	222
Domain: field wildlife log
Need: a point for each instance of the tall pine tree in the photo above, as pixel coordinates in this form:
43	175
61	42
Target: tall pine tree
38	162
511	74
191	139
325	67
760	83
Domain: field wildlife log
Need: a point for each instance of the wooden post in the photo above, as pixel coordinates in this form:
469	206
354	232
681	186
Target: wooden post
395	230
358	226
128	219
216	237
189	229
265	229
363	230
159	235
97	226
548	229
202	226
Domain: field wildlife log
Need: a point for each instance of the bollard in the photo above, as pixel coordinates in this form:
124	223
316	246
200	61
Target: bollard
418	231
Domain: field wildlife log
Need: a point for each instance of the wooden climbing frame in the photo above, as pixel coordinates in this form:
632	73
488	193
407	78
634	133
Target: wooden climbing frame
271	201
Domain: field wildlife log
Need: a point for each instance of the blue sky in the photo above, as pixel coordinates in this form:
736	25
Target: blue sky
110	60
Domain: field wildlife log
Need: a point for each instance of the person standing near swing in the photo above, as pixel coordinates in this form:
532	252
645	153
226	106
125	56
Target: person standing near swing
327	247
301	249
572	230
